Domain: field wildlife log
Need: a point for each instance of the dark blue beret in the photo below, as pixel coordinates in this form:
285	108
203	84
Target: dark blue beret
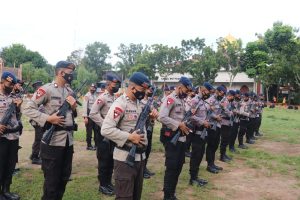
140	79
222	88
231	92
37	84
246	94
186	82
9	77
172	87
65	64
113	78
208	86
237	92
103	85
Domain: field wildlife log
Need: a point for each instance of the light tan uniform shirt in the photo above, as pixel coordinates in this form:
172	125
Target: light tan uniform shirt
120	120
244	109
5	101
172	112
101	107
52	97
88	102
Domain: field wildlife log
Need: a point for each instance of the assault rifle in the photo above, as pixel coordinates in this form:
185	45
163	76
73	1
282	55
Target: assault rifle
62	111
12	108
186	120
140	124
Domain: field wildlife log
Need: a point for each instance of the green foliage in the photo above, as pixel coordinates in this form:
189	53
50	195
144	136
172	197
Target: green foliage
17	54
95	59
229	55
81	75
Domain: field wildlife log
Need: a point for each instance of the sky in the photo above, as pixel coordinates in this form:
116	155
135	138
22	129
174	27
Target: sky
55	28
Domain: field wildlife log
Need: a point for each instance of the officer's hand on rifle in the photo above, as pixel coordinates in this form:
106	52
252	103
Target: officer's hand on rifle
72	102
2	129
154	114
136	138
206	124
55	119
184	129
18	102
219	118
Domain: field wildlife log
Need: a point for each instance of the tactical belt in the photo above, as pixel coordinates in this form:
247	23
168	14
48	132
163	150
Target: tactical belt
127	148
65	128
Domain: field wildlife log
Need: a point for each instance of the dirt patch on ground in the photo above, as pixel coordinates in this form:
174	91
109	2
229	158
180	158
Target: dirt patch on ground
242	182
281	148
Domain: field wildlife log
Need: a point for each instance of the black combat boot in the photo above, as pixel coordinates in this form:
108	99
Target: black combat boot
212	169
217	167
227	157
224	159
7	194
242	146
249	141
106	190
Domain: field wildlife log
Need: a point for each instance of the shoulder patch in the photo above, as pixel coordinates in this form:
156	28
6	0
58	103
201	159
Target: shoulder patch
117	112
39	93
170	101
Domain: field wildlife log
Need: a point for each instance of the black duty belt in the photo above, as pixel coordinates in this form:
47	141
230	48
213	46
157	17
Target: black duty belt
65	128
127	148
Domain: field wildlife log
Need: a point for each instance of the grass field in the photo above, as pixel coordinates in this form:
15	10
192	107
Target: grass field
270	169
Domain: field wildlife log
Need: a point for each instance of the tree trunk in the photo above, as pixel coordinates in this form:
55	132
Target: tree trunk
267	91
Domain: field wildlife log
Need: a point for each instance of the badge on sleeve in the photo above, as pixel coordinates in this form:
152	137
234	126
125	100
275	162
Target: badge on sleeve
117	112
39	93
170	101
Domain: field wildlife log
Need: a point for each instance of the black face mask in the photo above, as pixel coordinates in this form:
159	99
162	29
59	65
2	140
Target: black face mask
219	98
115	89
68	77
237	98
205	96
139	95
7	90
182	95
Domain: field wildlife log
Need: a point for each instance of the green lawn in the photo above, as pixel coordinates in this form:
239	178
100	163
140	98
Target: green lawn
279	126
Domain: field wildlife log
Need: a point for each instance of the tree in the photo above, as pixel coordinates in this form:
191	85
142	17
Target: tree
17	54
204	67
229	56
128	55
76	57
95	58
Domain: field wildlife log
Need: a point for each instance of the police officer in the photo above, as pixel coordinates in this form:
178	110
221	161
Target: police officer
9	139
244	120
89	99
236	122
171	115
105	147
227	123
260	102
117	126
38	132
57	156
149	127
253	112
188	104
213	137
201	123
